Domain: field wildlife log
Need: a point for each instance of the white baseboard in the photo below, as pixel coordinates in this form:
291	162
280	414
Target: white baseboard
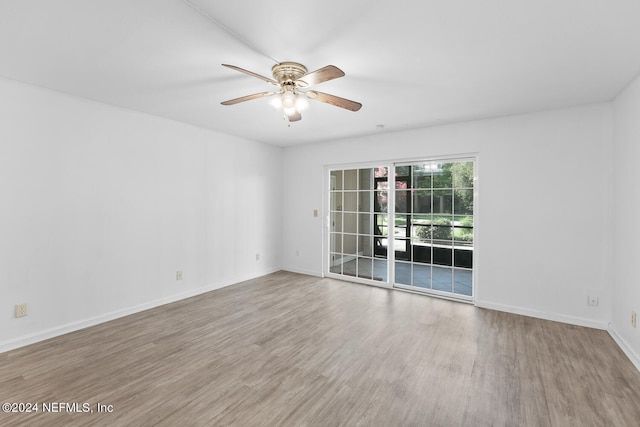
75	326
301	271
82	324
626	349
578	321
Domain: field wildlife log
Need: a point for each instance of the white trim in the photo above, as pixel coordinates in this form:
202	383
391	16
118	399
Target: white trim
476	226
572	320
326	223
403	160
359	280
92	321
302	271
626	348
434	293
391	224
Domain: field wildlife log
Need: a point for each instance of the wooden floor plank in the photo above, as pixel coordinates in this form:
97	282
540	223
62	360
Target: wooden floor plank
294	350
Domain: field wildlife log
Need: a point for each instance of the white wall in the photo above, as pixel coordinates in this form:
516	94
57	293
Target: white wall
626	284
544	240
101	206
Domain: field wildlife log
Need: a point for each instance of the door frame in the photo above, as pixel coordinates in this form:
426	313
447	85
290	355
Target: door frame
391	165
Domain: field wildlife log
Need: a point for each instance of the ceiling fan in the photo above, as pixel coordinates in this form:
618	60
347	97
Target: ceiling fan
292	80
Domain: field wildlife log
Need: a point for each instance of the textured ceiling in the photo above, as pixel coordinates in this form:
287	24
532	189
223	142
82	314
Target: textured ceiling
410	63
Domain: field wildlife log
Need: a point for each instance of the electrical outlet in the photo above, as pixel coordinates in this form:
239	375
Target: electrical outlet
257	257
179	275
633	319
592	301
21	310
315	213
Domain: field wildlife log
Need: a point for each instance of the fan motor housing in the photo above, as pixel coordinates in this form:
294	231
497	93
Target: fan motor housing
288	71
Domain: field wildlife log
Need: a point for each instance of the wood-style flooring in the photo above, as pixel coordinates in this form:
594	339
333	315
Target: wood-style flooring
294	350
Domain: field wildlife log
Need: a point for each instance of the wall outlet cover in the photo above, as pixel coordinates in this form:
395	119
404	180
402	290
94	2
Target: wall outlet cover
21	310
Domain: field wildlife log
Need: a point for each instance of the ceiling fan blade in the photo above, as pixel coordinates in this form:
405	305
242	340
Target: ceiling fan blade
251	73
247	98
294	117
334	100
324	74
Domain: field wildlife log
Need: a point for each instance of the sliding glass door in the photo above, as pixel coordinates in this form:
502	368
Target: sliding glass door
422	241
358	223
433	227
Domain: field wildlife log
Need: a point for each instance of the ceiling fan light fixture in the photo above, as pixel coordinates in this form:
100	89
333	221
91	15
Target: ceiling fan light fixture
276	103
301	103
291	77
288	99
288	112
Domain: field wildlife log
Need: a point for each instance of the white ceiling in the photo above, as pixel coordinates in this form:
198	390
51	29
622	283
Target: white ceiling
410	63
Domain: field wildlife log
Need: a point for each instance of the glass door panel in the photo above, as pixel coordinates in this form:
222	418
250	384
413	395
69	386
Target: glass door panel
434	227
426	219
358	223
